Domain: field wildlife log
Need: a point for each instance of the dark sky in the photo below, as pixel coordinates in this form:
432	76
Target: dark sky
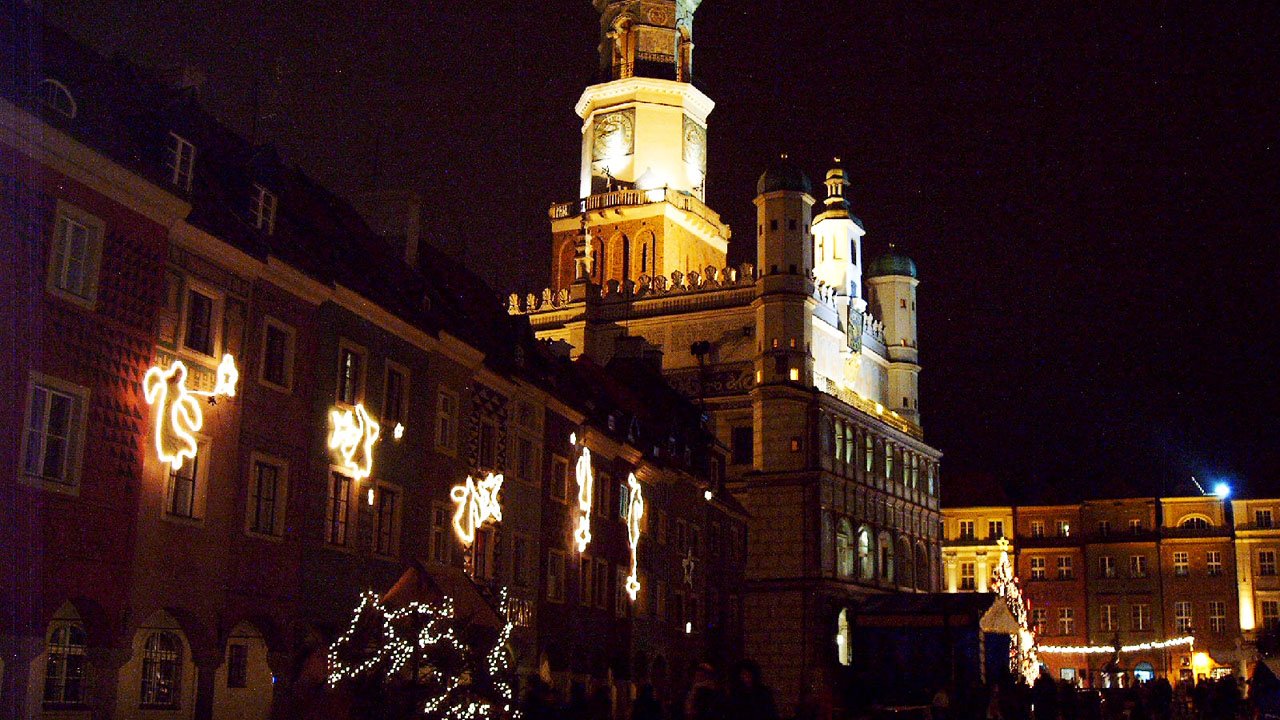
1090	189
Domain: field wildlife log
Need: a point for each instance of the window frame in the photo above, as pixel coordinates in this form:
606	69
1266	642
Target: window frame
1140	617
65	650
439	534
380	489
559	480
556	582
177	661
450	446
95	233
61	91
1181	563
1213	562
1039	568
291	344
280	500
346	345
76	434
199	489
1266	562
1182	620
173	161
217	309
263	212
237	665
347	524
390	419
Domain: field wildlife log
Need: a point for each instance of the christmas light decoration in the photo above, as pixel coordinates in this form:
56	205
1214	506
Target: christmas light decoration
398	432
352	435
1185	640
586	479
423	640
1023	657
477	504
635	511
178	413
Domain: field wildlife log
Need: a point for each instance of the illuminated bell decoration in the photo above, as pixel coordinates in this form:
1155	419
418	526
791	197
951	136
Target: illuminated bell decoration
586	479
477	504
635	511
178	413
352	435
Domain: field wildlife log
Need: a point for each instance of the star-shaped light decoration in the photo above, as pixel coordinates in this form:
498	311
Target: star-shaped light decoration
352	435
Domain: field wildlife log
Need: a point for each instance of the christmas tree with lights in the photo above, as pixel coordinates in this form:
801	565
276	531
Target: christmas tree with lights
1024	660
423	661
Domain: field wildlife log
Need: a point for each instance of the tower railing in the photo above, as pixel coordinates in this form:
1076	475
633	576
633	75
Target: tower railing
631	197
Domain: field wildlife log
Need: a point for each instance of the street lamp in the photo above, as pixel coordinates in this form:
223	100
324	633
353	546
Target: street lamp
1222	490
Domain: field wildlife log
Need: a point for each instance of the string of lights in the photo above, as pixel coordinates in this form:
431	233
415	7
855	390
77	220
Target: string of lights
1185	640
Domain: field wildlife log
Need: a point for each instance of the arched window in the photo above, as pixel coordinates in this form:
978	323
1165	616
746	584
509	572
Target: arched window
906	564
866	557
161	670
55	96
843	653
886	557
844	549
1195	522
1144	672
64	675
923	574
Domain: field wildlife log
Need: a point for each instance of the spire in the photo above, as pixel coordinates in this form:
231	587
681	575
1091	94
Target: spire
646	39
836	203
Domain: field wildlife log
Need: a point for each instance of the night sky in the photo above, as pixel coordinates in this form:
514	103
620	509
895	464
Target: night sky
1090	192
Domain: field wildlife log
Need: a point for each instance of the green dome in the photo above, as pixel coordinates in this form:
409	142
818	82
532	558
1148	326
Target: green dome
892	263
783	175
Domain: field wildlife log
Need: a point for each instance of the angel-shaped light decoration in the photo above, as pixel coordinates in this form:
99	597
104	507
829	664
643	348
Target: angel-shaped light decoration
352	435
178	413
635	512
586	479
477	504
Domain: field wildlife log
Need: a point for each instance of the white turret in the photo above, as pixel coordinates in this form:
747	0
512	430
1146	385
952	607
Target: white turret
891	286
837	243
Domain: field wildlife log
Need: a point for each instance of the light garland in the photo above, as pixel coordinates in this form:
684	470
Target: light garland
635	511
418	628
1186	640
477	504
352	435
586	480
1023	657
179	417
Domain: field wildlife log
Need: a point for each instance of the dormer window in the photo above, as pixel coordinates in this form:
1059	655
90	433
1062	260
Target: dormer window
264	209
55	96
180	160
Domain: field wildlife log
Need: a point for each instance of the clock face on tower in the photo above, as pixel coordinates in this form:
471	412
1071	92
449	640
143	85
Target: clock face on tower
695	144
614	135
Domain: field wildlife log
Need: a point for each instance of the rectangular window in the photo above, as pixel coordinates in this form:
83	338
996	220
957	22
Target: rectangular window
966	530
602	583
1107	566
559	478
526	463
180	160
519	560
1181	564
75	254
1213	562
446	421
1064	528
482	554
439	534
888	461
1107	618
1140	617
487	457
1039	619
620	597
198	330
1104	528
1064	567
995	529
1262	519
1270	614
386	521
660	602
1217	616
337	508
263	209
1266	562
53	431
266	499
1066	621
600	498
182	488
743	444
624	501
1138	566
1037	568
1182	615
350	374
277	354
555	576
395	395
585	567
1037	528
1135	526
967	575
868	452
237	665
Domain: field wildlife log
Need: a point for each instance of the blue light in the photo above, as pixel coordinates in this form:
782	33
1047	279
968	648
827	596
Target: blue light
1222	490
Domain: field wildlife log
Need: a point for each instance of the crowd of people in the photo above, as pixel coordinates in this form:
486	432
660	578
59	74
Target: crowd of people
742	697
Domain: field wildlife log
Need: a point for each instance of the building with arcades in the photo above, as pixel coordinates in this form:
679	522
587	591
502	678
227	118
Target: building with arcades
151	235
806	360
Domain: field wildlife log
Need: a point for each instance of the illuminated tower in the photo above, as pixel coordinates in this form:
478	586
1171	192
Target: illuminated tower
837	242
892	281
644	154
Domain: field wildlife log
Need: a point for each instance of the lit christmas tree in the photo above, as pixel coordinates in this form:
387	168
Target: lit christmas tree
1024	660
423	661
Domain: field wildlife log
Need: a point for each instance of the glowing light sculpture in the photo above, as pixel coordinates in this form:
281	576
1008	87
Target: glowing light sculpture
586	481
352	435
477	503
1024	659
178	413
635	512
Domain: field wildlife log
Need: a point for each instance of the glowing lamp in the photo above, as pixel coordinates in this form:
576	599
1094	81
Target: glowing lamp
1200	663
398	432
178	413
1222	490
706	495
352	435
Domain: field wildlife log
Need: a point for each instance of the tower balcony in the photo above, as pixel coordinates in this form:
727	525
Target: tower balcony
633	197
